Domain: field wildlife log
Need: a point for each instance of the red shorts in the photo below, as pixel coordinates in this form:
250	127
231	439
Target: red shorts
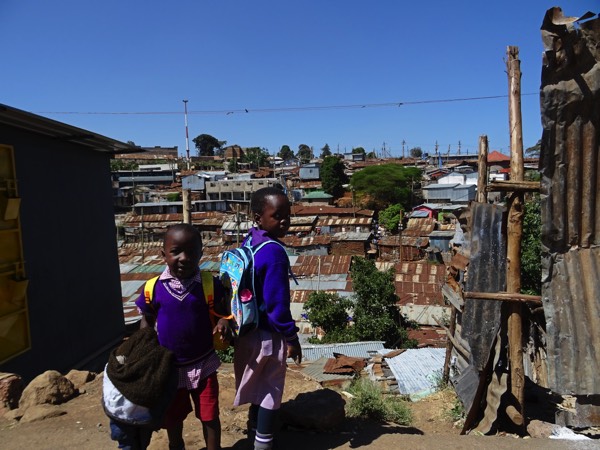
205	398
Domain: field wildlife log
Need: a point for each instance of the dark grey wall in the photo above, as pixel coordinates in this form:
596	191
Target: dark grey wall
69	244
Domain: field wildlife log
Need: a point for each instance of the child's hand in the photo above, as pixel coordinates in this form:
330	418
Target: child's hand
224	329
294	351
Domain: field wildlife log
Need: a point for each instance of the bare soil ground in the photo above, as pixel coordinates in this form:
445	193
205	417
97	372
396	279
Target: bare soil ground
84	426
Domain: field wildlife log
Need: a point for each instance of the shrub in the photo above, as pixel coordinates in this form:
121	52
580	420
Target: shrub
369	403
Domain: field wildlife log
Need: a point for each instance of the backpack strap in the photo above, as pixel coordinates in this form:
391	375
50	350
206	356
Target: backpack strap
261	245
149	290
208	287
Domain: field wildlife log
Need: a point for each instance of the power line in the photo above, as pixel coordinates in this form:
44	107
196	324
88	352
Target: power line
286	109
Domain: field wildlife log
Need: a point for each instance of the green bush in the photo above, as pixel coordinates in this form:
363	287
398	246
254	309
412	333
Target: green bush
369	403
226	355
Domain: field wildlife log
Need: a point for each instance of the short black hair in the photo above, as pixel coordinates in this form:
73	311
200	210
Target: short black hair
258	200
182	227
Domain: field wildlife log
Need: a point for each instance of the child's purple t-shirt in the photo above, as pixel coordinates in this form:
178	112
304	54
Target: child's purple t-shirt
183	326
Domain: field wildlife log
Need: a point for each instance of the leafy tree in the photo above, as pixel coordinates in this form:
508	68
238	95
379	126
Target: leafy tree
332	176
256	156
304	153
534	151
531	249
390	217
376	316
206	144
416	152
121	164
232	165
325	151
386	184
330	313
285	153
372	155
359	150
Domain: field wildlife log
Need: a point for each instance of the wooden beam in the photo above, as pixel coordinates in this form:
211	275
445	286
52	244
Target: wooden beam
449	346
482	170
451	338
504	297
513	186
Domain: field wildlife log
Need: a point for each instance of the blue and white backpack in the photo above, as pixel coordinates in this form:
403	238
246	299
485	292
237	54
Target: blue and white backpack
237	276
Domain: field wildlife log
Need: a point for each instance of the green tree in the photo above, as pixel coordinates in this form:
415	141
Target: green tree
122	164
304	153
256	156
534	151
325	151
390	217
372	155
206	144
329	312
416	152
531	248
232	165
285	153
332	176
386	184
359	150
376	315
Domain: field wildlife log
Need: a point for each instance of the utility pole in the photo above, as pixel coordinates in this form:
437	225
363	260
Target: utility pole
459	147
403	144
187	137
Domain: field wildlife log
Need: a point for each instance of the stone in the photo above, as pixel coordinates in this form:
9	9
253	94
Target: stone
80	377
11	388
14	414
40	412
539	429
49	387
320	410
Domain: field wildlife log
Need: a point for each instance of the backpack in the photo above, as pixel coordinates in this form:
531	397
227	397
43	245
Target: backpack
237	276
208	288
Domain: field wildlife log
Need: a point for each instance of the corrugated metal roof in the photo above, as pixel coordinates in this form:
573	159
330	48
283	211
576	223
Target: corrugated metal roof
351	236
312	210
344	221
309	265
418	371
308	241
419	226
314	370
302	220
314	284
312	352
129	288
297	296
62	132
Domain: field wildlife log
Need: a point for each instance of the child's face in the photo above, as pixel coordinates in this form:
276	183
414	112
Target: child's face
275	217
182	252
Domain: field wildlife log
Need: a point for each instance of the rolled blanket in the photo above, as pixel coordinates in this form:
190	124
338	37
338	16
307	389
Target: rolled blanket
140	368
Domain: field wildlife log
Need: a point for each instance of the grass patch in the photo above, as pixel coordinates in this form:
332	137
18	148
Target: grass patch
368	402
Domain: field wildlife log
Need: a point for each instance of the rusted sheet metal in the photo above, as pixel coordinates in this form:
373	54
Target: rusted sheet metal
324	265
321	211
570	168
308	241
419	227
487	273
210	218
344	222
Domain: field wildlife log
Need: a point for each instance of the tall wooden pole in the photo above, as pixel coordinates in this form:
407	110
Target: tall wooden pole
482	169
514	233
187	205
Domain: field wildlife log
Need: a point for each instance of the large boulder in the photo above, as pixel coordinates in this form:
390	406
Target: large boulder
50	387
40	412
11	388
80	377
320	410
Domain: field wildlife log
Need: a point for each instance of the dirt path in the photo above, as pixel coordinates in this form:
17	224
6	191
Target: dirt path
86	427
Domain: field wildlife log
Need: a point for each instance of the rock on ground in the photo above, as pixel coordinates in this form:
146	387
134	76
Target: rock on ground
49	387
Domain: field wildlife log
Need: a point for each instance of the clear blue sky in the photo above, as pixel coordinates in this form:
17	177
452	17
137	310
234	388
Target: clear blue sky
141	57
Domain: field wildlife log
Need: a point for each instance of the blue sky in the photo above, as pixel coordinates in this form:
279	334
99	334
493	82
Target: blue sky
121	68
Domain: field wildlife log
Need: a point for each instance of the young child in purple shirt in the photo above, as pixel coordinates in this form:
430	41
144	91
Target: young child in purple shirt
260	355
180	315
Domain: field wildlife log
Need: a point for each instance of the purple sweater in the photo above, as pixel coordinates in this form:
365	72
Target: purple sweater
183	326
272	285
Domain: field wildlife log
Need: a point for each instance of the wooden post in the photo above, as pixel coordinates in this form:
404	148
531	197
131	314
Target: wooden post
449	345
187	206
514	233
482	169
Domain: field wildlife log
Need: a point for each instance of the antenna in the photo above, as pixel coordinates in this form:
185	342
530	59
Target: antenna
187	137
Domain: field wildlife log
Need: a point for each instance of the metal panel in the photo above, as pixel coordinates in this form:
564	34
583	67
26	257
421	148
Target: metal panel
570	168
355	349
481	319
418	371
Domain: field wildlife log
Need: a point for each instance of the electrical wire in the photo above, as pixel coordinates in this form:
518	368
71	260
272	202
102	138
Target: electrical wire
286	109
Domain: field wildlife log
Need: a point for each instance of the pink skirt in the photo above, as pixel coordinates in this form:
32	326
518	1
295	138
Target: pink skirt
259	365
